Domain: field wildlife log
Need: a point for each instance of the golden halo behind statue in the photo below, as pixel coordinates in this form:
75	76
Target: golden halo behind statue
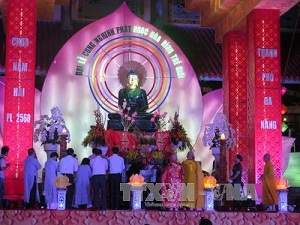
127	67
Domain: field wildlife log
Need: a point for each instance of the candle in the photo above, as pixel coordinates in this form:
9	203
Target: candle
223	136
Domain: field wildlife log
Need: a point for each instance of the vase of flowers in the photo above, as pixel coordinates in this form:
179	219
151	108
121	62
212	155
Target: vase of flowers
48	130
95	135
159	120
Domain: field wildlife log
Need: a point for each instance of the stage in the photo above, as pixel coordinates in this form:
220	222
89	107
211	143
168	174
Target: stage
141	217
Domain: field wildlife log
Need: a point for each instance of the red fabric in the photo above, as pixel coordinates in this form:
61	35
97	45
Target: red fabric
114	138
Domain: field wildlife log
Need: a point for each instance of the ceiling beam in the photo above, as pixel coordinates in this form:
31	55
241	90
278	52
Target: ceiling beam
45	9
231	15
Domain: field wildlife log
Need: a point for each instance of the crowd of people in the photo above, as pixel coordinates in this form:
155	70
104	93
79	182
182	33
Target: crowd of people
87	180
97	179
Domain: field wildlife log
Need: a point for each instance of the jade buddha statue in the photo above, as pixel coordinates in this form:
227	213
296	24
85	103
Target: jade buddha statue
133	96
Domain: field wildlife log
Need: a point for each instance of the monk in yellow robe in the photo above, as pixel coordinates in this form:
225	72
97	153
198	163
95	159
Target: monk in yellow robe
269	195
193	175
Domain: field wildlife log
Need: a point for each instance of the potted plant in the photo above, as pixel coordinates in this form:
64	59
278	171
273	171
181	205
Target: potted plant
48	129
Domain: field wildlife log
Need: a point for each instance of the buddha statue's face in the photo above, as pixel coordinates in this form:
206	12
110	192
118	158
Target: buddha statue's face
133	80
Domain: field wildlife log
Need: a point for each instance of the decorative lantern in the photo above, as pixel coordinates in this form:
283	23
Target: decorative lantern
282	184
283	90
284	126
61	182
209	182
283	109
136	180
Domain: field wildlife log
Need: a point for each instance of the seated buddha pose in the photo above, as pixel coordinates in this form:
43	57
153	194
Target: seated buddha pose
133	96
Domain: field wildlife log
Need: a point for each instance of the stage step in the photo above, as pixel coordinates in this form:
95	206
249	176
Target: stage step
292	173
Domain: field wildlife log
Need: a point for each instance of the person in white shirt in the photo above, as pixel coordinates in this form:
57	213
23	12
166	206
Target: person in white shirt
99	167
94	153
31	168
68	166
3	166
116	167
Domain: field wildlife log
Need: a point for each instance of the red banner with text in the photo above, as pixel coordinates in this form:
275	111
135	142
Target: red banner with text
19	87
264	88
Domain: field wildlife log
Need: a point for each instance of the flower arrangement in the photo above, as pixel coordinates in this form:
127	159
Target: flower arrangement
178	134
127	118
159	120
145	157
157	157
132	156
49	128
96	133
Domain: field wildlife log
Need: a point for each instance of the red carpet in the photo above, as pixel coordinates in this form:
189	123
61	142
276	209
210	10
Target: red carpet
141	217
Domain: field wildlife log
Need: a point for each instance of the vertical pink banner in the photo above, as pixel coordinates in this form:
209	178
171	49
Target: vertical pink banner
235	94
19	88
264	85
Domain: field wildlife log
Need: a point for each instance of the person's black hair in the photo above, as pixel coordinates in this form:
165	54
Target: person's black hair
95	150
4	150
31	151
115	150
204	221
53	154
85	161
99	152
239	157
70	151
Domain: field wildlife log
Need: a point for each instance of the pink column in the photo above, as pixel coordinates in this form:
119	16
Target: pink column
235	93
264	85
19	89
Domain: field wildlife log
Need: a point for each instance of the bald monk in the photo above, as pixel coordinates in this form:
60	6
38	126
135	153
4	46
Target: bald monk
269	195
193	174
